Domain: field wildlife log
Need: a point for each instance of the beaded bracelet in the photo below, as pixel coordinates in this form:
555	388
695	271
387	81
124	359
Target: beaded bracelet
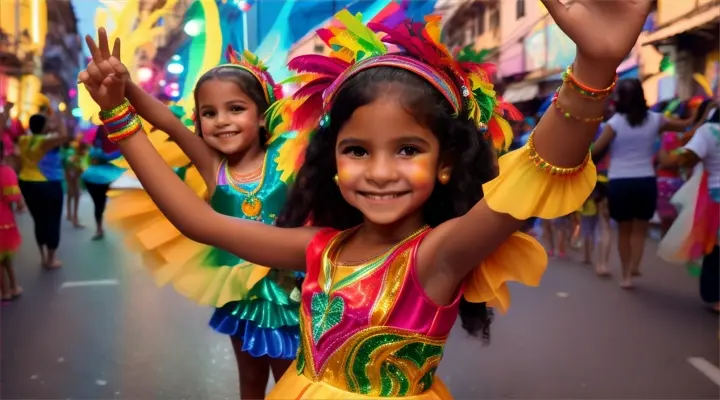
584	90
567	114
121	122
545	166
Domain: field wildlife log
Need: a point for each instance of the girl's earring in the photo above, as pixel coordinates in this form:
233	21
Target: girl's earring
335	179
444	178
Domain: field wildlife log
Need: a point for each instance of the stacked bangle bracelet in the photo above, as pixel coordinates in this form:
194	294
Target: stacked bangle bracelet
121	122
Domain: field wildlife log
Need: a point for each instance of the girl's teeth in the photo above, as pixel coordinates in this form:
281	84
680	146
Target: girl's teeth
383	197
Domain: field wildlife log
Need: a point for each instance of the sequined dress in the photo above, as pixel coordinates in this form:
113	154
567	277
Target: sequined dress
368	331
252	302
267	320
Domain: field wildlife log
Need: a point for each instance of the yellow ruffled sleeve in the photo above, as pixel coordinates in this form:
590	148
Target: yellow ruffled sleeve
524	190
519	259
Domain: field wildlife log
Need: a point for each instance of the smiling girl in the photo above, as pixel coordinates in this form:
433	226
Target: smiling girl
229	152
408	217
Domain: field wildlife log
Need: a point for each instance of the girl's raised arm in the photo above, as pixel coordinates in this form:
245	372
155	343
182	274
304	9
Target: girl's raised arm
561	139
253	241
159	115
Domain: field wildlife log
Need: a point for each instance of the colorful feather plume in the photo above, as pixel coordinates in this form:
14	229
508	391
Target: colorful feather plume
351	42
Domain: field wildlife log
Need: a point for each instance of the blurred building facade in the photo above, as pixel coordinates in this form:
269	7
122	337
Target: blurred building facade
531	51
23	26
62	56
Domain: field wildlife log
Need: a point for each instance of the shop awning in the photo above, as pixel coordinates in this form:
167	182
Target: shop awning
684	24
520	92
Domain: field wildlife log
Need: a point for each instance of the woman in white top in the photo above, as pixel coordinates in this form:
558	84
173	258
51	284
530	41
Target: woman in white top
695	233
632	189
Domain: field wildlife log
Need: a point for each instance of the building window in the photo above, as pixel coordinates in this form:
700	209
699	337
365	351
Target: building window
519	9
319	48
494	19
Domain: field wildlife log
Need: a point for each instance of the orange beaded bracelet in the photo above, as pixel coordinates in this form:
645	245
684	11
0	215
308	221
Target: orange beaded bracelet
586	91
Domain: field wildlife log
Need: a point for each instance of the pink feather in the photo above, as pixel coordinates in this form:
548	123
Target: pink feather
325	35
509	110
316	86
318	64
307	115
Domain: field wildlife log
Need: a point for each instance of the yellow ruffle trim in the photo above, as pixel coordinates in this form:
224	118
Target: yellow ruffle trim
299	387
174	259
519	259
523	191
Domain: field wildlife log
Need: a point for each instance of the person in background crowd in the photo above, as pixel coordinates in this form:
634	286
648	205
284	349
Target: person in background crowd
75	162
602	161
694	235
632	190
99	175
10	130
41	176
10	238
670	179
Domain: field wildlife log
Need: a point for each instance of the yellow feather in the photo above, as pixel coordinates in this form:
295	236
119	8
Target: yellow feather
355	25
506	130
433	27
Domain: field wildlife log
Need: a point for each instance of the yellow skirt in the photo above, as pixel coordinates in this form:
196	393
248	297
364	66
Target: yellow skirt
295	387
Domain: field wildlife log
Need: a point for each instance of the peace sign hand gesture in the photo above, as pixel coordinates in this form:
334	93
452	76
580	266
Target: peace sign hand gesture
604	30
105	76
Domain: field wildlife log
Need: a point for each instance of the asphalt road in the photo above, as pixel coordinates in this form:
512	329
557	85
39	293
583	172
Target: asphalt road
99	329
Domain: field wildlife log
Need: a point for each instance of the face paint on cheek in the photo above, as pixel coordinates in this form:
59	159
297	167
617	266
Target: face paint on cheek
345	171
421	173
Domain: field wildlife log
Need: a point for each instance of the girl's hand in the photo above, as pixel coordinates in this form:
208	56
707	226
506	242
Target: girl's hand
100	79
604	30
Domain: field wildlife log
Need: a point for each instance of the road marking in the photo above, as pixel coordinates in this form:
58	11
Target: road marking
101	282
707	368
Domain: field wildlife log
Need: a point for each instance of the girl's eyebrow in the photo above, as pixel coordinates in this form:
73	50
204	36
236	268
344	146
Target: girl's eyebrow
412	139
232	101
351	142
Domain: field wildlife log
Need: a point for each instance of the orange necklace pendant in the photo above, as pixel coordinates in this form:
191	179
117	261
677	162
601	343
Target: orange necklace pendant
251	206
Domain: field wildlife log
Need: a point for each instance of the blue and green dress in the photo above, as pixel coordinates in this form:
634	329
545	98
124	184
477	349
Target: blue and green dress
259	305
267	320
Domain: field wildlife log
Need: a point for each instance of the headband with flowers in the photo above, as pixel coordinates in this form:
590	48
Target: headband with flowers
254	65
251	63
464	81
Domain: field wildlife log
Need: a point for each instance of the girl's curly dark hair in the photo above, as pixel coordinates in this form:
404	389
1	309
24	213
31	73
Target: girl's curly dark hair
316	197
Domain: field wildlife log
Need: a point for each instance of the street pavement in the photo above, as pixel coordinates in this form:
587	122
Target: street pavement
99	329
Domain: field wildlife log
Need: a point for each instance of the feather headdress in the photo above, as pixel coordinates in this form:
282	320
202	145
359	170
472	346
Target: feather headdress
275	123
464	80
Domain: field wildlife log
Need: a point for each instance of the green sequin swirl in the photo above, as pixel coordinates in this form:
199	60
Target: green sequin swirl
391	376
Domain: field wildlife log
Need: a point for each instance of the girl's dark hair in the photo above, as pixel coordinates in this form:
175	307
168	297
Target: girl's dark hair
630	101
37	124
246	82
316	197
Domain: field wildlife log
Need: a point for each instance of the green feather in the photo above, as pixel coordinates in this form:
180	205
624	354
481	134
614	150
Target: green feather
486	104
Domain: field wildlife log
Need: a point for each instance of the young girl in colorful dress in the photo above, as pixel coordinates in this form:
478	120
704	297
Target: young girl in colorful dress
99	175
10	238
74	162
407	216
230	153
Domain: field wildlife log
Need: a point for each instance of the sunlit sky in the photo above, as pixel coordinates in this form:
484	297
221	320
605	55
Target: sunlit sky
85	13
